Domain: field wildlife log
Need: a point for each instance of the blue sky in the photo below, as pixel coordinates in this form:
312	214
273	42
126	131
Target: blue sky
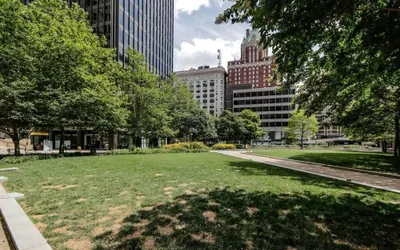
197	38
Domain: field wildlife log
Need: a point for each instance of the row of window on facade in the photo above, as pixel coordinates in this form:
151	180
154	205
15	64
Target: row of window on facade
264	93
251	68
240	62
265	109
274	124
275	116
263	101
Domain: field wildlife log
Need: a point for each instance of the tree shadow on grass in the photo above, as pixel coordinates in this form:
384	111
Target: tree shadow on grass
368	161
225	219
257	168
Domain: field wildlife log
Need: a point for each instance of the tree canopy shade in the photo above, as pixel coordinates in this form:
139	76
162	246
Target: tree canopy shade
300	123
243	127
17	98
339	51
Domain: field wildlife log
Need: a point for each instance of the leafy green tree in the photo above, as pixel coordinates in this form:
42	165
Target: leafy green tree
337	50
243	127
75	90
197	125
306	126
368	119
17	84
290	137
226	126
146	103
250	126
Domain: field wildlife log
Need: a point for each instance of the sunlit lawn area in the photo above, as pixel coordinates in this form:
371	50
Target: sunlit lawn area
360	160
199	201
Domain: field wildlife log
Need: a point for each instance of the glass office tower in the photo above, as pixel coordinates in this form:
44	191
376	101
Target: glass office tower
145	25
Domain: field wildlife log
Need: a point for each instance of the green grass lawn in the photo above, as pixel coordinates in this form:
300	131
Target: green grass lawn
361	160
199	201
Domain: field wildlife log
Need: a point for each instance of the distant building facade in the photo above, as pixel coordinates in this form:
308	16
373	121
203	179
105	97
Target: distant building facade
326	129
250	86
254	67
208	87
145	25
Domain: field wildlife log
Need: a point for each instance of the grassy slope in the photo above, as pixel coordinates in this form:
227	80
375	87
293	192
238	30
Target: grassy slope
369	161
199	201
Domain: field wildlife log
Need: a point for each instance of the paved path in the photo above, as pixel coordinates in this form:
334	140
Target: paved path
370	180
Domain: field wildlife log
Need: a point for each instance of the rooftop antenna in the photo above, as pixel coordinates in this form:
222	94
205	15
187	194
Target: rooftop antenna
219	58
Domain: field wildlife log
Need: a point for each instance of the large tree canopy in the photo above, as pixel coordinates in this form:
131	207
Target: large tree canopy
338	52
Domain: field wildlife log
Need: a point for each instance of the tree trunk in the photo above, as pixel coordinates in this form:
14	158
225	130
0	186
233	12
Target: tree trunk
62	141
384	146
302	140
397	137
93	149
110	141
15	138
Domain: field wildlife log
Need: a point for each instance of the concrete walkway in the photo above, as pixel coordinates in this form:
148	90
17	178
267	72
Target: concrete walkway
365	179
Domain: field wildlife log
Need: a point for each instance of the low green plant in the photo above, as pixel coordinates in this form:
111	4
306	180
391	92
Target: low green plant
222	146
186	145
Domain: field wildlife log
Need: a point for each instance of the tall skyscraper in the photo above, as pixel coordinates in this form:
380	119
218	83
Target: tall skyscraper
145	25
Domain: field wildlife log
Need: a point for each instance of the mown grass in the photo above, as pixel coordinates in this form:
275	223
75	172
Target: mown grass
360	160
199	201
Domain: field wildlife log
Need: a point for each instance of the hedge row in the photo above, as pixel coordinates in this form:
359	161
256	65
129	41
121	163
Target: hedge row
221	146
186	145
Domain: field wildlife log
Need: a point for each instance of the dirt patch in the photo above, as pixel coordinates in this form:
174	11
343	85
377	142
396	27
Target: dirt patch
149	243
171	218
171	181
59	187
117	210
204	237
169	193
95	188
81	200
149	208
165	231
249	245
210	216
141	223
140	197
158	175
41	226
184	184
99	231
104	219
322	227
179	227
252	210
166	189
284	212
134	235
203	189
38	216
213	203
89	176
62	230
183	202
79	244
189	192
123	193
58	222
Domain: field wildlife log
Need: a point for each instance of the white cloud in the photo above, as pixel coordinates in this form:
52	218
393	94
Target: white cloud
204	52
188	6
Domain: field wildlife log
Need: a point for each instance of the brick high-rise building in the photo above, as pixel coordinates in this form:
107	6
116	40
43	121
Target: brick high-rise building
254	67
